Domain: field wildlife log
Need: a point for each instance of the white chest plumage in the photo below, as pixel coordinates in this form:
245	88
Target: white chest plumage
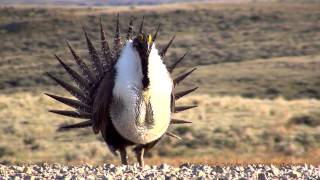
129	100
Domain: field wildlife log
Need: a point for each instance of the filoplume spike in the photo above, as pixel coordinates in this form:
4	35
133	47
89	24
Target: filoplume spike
73	114
173	135
165	49
182	76
82	124
182	108
71	102
180	94
174	65
156	33
141	25
179	121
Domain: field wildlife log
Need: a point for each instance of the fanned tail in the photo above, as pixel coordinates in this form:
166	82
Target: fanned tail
87	79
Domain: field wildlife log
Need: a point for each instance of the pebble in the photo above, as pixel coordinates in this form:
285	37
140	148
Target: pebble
164	171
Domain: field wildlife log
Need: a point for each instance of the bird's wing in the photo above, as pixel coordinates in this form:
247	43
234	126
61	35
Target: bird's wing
102	100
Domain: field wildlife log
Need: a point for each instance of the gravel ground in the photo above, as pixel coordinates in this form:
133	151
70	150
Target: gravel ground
164	171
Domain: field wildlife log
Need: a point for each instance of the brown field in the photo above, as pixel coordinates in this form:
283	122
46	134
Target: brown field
258	73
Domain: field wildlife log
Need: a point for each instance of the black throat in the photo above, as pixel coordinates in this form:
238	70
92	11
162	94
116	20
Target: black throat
144	67
141	45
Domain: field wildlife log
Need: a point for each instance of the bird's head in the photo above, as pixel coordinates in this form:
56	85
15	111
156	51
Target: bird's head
143	43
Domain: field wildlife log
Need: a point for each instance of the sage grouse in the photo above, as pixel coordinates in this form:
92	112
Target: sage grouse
127	93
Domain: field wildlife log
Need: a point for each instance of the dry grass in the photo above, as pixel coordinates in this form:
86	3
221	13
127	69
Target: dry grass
29	136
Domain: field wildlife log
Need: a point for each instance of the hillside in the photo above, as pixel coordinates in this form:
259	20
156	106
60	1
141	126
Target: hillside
213	34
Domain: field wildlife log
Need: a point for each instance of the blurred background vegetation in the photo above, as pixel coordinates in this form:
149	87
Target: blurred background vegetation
258	72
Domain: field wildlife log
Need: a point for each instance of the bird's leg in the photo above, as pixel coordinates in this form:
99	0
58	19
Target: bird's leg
140	154
123	156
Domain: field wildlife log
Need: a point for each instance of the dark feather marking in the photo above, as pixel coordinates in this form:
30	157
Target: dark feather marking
71	102
164	50
141	25
117	39
83	83
74	114
105	48
130	29
82	65
180	94
182	108
82	124
173	135
149	121
76	92
95	60
174	65
156	33
172	103
179	121
182	76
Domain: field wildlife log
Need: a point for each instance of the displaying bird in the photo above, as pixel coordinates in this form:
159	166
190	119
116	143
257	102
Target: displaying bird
126	94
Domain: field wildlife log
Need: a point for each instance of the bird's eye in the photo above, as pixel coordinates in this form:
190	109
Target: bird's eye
140	37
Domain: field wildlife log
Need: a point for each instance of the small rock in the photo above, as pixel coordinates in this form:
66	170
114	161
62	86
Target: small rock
108	177
19	169
262	176
164	167
294	174
56	166
90	177
29	177
185	165
219	169
201	174
27	170
274	170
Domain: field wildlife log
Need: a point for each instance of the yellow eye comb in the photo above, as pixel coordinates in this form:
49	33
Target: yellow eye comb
149	39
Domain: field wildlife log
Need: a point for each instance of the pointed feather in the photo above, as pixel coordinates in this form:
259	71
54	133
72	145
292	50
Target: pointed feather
107	55
173	135
174	65
182	108
82	65
178	121
156	33
180	94
71	102
182	76
83	83
141	25
74	114
163	52
96	62
130	29
71	89
117	39
82	124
